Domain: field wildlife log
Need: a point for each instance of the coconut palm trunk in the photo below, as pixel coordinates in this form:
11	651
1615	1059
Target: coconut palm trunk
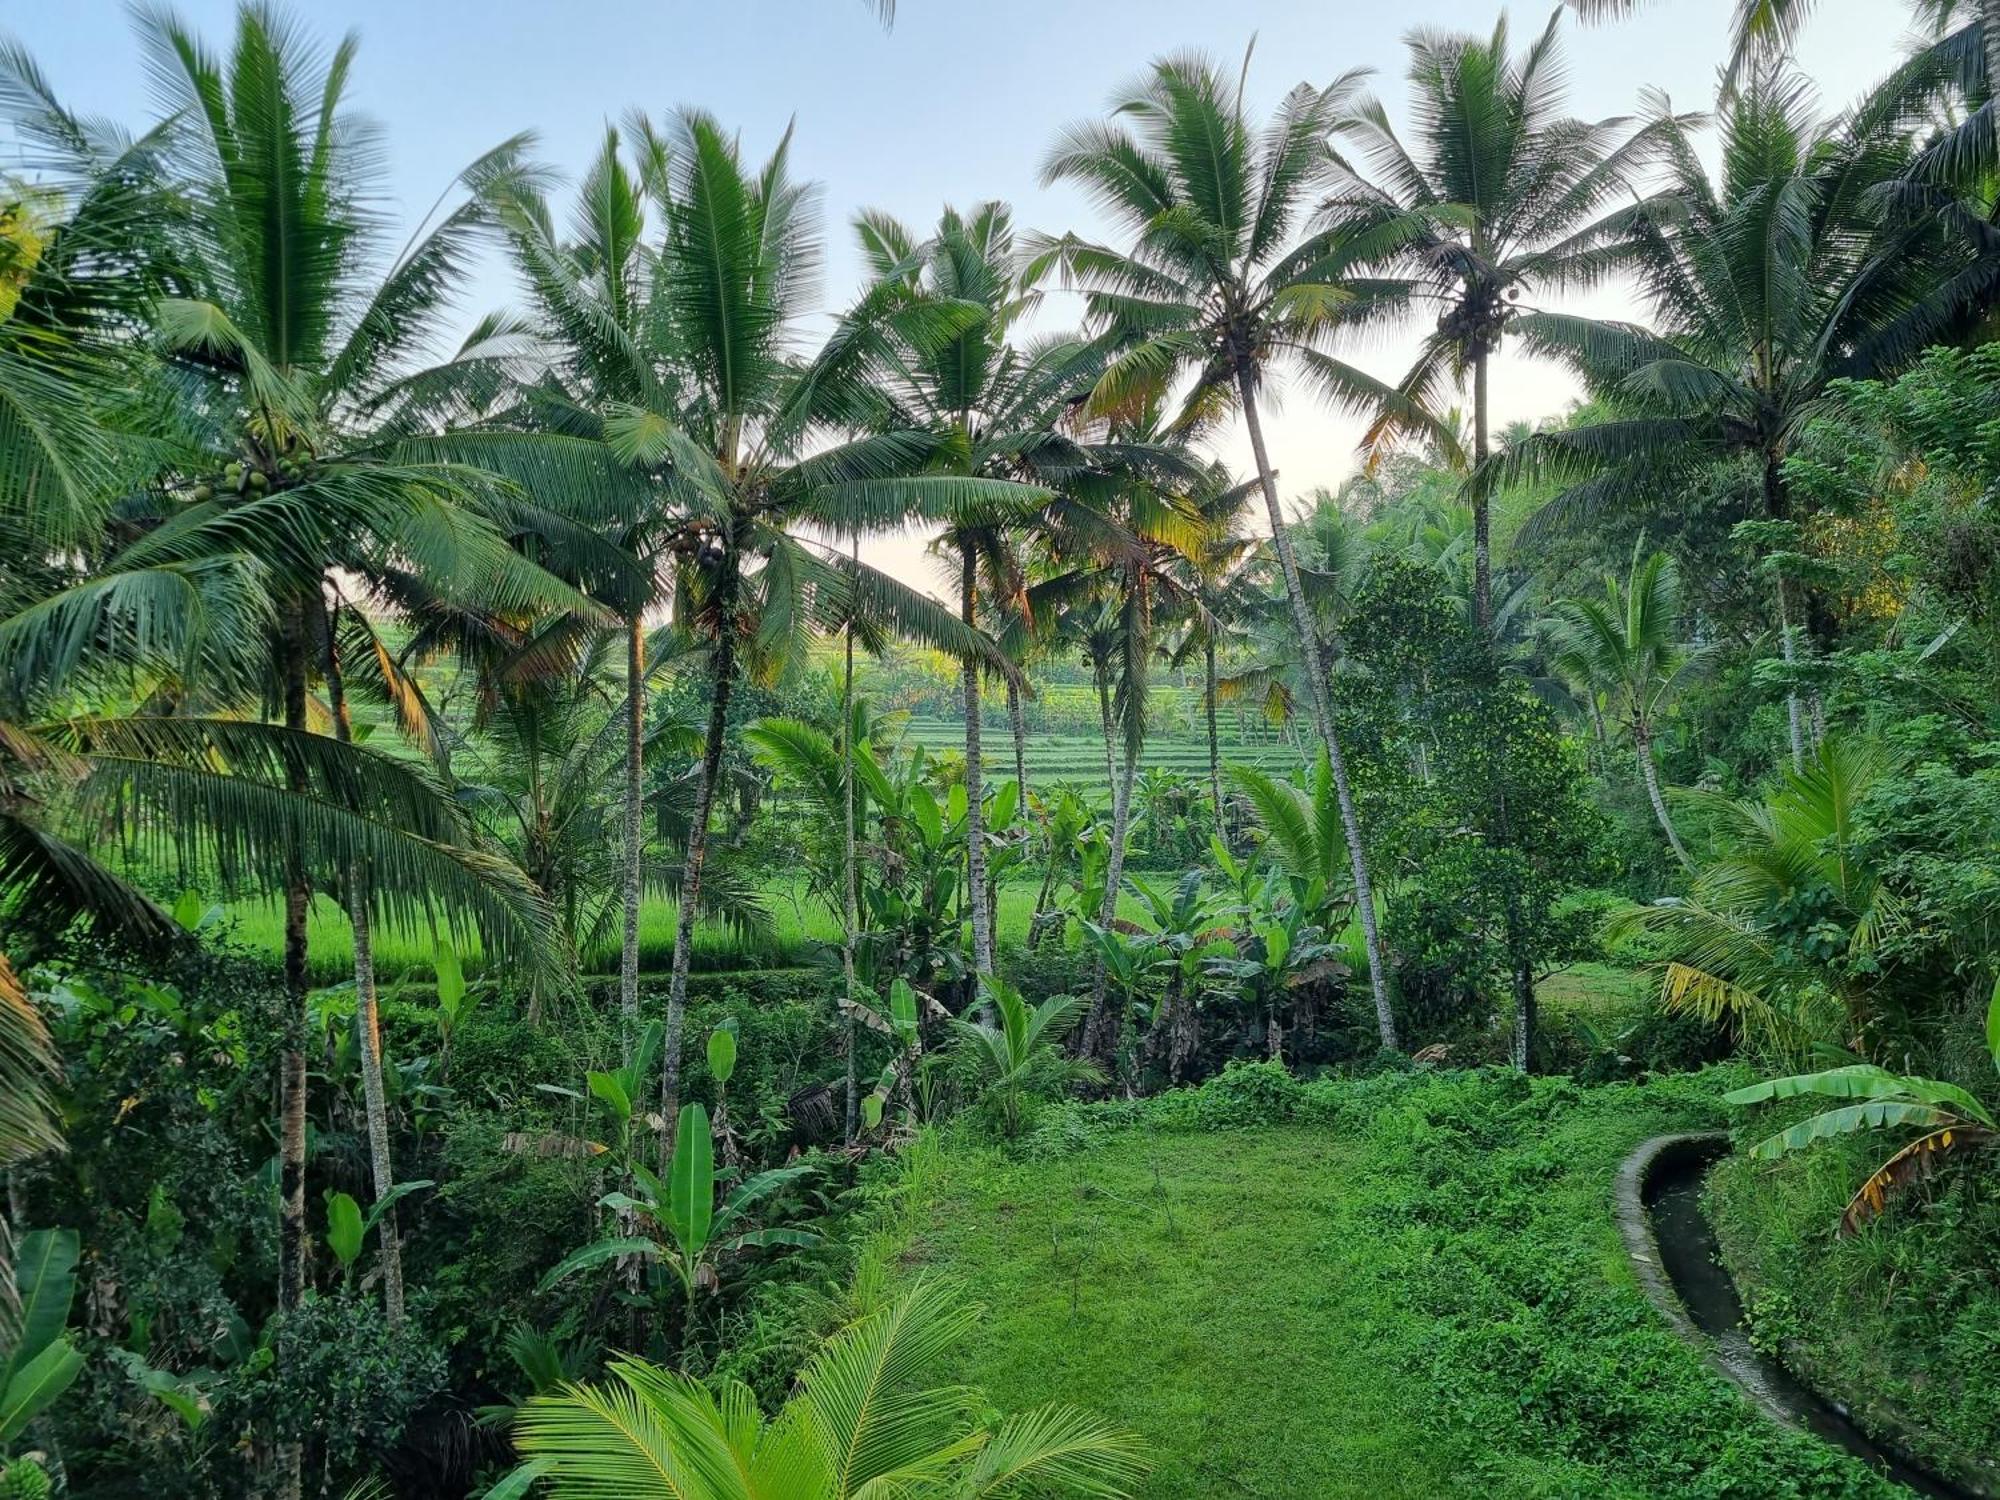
635	732
1482	513
292	1064
1642	744
697	857
1309	645
975	781
1100	1031
367	1022
1214	743
1017	717
1104	718
851	903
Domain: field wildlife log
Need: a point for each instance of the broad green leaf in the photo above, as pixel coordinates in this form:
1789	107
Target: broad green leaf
1873	1115
518	1482
1993	1026
34	1385
610	1088
596	1253
722	1053
45	1281
691	1184
343	1228
450	980
763	1239
871	1109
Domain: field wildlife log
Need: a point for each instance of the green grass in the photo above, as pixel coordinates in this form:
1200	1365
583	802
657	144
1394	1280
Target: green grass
1900	1322
1079	757
1401	1286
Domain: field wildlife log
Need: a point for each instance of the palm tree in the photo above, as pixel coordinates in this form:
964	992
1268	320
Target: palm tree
1730	945
1025	1047
1216	284
729	419
1493	196
1789	271
289	459
1219	573
860	1423
1627	645
942	354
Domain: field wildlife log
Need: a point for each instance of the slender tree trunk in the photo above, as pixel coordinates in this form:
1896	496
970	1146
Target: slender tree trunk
851	900
697	857
1100	1031
1018	717
1482	517
1642	742
1104	719
368	1027
1214	744
1315	663
1525	1016
975	783
290	1456
635	732
1777	505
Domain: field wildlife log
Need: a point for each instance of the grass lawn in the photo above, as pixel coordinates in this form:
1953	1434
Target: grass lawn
1408	1285
1193	1289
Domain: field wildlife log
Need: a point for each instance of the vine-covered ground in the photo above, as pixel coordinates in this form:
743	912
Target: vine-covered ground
1404	1286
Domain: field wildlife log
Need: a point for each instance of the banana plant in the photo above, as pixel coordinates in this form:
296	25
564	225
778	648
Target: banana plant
38	1363
619	1091
1950	1118
1063	816
1183	930
899	1075
1280	953
722	1068
347	1226
1024	1045
687	1231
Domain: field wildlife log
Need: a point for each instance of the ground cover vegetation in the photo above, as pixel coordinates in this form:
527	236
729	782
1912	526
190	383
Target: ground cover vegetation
528	967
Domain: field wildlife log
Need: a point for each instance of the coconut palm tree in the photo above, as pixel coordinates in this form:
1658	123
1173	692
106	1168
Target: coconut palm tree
943	353
731	420
1789	270
861	1422
1218	284
1627	645
1493	195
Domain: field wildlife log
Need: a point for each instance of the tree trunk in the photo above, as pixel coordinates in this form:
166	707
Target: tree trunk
1214	744
1777	505
1100	1031
290	1456
975	785
1018	717
367	1025
1524	1016
1482	538
1642	742
1364	894
851	899
697	857
635	730
1104	719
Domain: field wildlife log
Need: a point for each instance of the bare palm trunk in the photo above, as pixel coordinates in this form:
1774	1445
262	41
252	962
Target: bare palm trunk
1315	662
1104	718
697	857
1100	1031
1778	506
851	900
1482	518
1018	717
1525	1016
1214	744
975	784
292	1075
368	1026
1642	742
635	731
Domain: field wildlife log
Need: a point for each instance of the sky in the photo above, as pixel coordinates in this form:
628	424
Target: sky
958	102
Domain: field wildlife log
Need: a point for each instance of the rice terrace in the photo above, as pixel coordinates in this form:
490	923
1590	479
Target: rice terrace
825	751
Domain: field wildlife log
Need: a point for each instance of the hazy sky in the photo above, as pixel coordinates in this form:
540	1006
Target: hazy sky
957	103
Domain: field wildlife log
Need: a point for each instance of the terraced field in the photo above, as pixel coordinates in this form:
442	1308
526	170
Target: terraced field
1079	757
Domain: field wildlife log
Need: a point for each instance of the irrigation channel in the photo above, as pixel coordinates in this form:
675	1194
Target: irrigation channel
1674	1252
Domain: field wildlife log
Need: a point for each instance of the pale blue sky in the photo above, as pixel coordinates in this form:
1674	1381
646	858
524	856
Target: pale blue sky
959	102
